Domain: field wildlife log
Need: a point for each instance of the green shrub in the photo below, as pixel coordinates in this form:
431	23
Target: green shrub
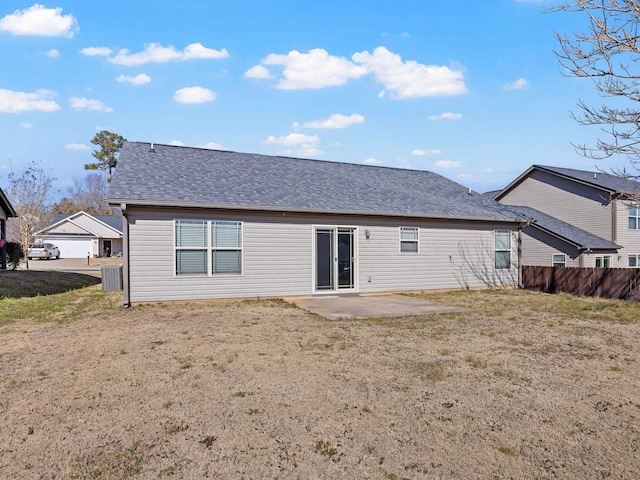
14	254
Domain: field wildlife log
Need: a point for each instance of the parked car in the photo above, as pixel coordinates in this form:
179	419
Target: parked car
43	250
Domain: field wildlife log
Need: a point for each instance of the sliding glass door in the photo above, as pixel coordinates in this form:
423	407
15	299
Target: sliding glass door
334	259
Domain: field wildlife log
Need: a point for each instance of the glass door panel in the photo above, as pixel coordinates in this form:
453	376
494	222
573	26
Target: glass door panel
325	259
345	258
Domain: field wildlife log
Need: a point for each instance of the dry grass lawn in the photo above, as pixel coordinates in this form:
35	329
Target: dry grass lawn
527	386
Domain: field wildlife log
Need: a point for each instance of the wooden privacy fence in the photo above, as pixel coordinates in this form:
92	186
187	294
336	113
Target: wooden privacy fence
621	283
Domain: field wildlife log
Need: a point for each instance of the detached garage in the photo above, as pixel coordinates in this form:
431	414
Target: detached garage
81	235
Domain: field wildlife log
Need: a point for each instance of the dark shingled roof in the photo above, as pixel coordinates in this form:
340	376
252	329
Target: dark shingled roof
193	177
602	180
6	206
574	235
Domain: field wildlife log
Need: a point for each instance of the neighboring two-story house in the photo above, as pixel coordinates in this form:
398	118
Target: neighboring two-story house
579	218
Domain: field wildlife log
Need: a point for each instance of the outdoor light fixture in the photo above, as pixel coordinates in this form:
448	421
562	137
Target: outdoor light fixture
367	234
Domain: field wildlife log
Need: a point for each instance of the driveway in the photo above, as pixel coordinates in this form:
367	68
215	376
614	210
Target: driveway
73	264
335	307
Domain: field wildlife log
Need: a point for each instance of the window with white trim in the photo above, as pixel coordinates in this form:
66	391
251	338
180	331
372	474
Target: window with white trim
603	261
634	217
634	261
502	247
208	247
191	247
408	239
226	247
559	260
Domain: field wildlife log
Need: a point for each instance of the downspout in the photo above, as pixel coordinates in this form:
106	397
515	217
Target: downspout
520	285
614	220
125	256
3	249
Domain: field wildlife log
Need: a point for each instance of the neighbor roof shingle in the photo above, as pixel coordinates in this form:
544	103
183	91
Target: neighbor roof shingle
599	179
181	176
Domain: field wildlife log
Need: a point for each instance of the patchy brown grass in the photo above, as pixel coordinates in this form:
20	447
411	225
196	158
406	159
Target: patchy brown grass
526	386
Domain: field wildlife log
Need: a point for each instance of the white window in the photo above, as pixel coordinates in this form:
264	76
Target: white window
559	260
208	247
603	261
226	247
191	247
408	239
634	261
502	249
634	217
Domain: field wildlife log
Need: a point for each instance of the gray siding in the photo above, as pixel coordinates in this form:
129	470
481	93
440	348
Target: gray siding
539	247
577	204
626	238
278	256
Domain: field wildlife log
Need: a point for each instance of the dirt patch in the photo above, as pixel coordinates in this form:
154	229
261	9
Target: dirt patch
258	389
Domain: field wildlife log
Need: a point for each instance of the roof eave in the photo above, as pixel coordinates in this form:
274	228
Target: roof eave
579	246
6	205
259	208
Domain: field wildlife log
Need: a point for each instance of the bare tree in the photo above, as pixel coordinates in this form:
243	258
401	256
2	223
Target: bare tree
29	193
608	52
86	195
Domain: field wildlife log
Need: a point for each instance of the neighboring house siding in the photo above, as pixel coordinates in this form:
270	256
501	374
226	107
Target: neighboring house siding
97	228
278	256
626	237
538	248
580	205
67	228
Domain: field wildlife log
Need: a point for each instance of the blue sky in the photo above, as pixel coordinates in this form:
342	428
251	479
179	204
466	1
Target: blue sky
468	89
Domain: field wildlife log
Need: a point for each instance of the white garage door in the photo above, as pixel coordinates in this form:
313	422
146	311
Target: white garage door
76	248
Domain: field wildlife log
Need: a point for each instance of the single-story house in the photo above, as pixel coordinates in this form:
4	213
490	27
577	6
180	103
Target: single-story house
201	224
6	211
81	235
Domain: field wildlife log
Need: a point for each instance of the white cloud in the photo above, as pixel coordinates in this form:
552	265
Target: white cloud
402	79
447	164
334	121
26	125
16	102
41	21
410	79
422	153
446	116
517	85
76	147
294	139
307	144
316	69
156	53
194	95
211	146
53	53
89	104
139	79
96	51
176	143
258	72
372	161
